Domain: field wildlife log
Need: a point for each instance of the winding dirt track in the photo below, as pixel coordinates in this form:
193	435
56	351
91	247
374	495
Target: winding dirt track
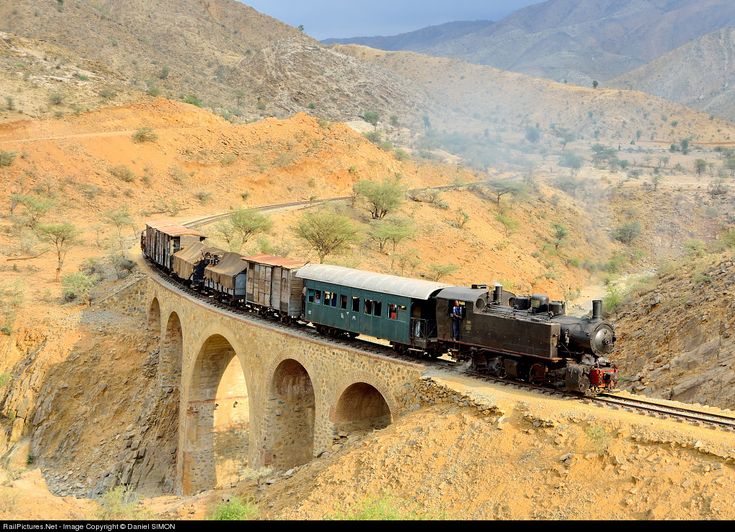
94	134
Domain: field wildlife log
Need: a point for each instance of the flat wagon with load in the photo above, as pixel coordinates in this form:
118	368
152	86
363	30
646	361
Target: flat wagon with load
227	277
190	262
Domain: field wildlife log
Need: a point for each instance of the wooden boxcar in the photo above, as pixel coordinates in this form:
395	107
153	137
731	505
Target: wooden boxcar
272	284
163	239
393	308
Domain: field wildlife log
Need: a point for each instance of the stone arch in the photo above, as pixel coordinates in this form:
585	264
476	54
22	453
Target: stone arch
361	407
290	418
217	420
154	316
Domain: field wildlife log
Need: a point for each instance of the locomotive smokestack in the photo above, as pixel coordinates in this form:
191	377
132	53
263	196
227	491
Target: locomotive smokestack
498	294
597	309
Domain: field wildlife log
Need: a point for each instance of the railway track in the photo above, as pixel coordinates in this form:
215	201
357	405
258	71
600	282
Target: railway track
685	412
636	404
267	208
306	203
642	405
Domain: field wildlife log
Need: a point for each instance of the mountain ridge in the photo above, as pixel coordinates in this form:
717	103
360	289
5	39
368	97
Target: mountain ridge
218	53
579	42
709	85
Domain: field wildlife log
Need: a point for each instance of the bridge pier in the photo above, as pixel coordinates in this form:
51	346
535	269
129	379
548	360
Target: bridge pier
289	434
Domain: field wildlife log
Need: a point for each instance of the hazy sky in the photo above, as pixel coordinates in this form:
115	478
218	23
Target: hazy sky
351	18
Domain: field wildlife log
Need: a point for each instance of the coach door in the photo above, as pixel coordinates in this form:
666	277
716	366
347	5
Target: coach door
349	309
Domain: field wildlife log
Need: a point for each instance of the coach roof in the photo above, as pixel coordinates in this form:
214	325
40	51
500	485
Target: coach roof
374	282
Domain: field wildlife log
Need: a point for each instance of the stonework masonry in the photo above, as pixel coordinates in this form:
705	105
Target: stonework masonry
282	391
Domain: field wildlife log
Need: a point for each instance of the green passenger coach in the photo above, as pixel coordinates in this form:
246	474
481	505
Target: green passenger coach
346	301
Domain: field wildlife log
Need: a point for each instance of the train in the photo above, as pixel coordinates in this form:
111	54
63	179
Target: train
524	338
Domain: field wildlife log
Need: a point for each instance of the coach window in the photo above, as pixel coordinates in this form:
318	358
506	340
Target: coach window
392	311
333	302
327	298
311	295
355	304
368	306
343	302
378	308
317	296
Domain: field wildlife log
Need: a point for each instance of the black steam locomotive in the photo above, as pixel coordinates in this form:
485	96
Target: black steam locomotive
530	338
518	337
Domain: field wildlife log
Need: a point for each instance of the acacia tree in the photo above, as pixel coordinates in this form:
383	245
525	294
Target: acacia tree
62	236
394	231
627	232
700	165
438	271
248	222
326	232
565	136
381	198
407	260
120	219
730	165
501	187
560	233
378	232
227	232
371	117
571	160
36	208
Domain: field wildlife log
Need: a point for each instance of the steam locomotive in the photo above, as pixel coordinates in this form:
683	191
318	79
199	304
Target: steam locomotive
527	338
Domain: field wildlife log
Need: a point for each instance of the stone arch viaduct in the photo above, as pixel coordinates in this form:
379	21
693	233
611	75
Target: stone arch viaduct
253	395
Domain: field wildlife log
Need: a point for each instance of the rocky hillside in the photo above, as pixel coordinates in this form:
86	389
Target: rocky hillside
192	161
572	40
676	333
709	67
224	55
218	53
461	458
38	79
501	106
53	396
